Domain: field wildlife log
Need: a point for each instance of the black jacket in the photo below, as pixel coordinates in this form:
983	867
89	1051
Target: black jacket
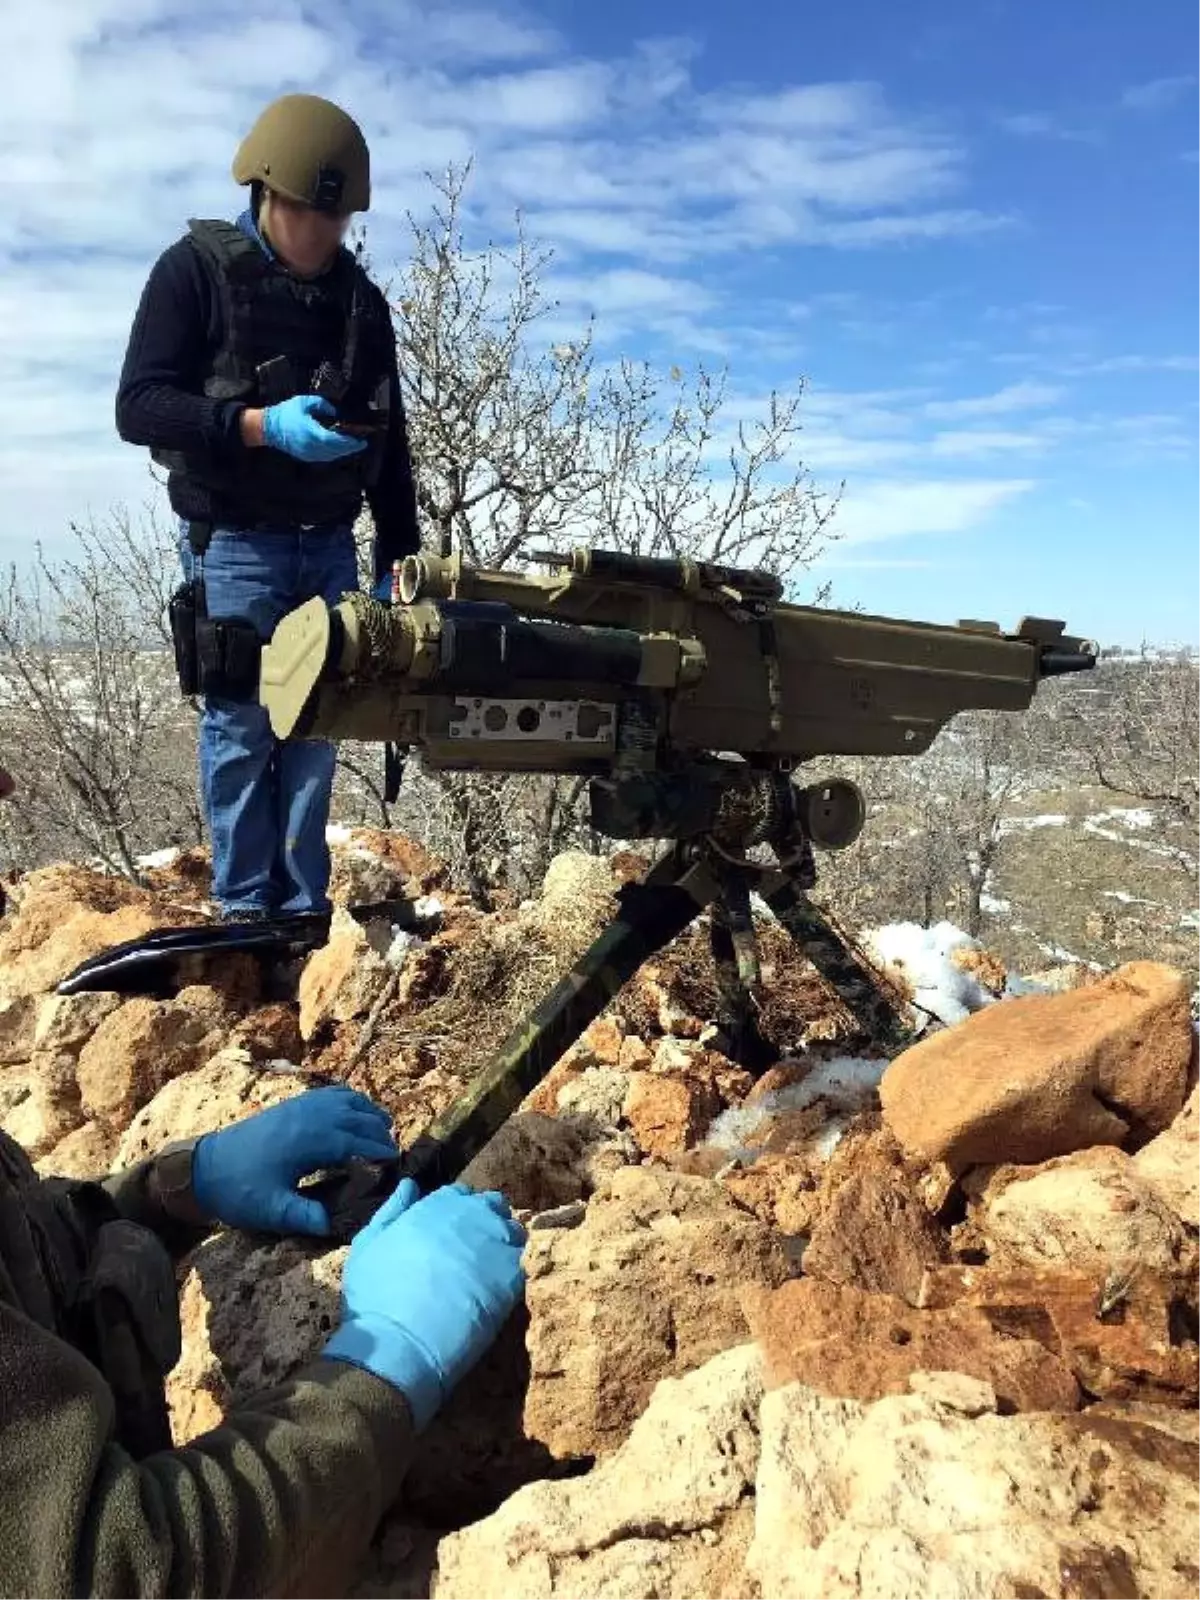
161	404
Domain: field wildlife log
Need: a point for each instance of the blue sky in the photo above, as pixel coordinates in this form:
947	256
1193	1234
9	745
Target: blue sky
970	227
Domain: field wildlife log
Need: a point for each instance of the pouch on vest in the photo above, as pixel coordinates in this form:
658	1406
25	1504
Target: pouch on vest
128	1313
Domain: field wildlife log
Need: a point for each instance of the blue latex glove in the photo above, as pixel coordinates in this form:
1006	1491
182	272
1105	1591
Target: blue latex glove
293	427
246	1175
382	589
427	1287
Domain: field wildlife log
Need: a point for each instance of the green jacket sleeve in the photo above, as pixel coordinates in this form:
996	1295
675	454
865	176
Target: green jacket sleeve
282	1499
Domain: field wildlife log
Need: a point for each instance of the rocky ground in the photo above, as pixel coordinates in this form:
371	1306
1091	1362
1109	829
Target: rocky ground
922	1326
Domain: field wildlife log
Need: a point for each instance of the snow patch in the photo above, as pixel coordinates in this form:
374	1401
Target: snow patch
922	955
1051	819
845	1083
159	858
337	833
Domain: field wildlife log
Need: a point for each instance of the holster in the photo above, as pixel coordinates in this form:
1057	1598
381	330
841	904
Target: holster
212	657
183	610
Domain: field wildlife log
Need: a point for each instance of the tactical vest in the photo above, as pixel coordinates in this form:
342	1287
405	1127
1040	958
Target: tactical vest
285	336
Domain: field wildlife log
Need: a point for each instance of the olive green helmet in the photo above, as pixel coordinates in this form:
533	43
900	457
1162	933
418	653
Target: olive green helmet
308	150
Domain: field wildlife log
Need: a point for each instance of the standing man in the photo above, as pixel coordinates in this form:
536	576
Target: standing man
261	372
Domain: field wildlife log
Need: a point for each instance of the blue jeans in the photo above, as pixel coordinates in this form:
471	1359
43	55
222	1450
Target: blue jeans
267	800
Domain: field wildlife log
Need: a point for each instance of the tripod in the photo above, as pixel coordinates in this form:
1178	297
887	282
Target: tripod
695	875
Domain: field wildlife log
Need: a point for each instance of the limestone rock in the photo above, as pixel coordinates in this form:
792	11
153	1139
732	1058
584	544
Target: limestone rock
251	1313
51	1110
648	1287
668	1114
1119	1333
1043	1075
87	1152
16	1084
970	1396
578	898
911	1497
369	865
597	1094
271	1033
667	1515
224	1090
847	1342
601	1042
65	1022
1171	1163
64	915
343	979
138	1048
636	1055
1091	1210
18	1025
872	1228
782	1189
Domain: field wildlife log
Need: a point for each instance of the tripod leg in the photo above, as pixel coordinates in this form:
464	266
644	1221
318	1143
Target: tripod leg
650	915
872	1006
735	957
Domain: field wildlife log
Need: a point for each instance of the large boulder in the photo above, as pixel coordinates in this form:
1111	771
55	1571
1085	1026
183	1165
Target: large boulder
845	1341
1043	1075
926	1496
670	1514
1090	1210
649	1286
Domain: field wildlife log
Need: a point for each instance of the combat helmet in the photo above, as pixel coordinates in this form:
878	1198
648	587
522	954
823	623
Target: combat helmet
309	150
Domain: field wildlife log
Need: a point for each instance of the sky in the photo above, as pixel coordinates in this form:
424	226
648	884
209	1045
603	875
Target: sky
969	229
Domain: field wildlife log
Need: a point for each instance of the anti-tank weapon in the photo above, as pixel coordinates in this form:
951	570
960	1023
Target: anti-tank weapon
687	694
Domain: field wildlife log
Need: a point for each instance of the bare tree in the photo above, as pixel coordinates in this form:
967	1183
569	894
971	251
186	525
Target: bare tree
521	442
90	719
1137	726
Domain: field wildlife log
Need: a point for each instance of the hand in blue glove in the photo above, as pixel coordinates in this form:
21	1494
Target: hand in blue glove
382	589
427	1287
293	427
246	1175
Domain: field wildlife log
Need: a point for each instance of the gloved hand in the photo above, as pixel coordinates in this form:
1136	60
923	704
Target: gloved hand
293	427
381	589
427	1287
246	1175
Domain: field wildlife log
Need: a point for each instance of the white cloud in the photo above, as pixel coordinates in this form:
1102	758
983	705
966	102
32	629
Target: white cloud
973	442
1014	397
1044	125
903	509
121	117
1159	93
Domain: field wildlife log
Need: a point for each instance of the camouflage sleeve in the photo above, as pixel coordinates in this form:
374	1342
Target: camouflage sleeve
282	1499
